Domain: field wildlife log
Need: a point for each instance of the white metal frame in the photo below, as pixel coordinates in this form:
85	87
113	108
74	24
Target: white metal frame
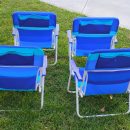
68	86
70	42
43	74
55	48
100	115
113	42
55	36
42	91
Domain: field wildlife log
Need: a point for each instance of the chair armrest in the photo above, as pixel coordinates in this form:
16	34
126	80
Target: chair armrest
115	40
57	29
76	70
14	31
44	65
69	35
45	61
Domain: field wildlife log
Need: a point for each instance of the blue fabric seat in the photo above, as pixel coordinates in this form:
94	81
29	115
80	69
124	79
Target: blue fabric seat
22	69
106	72
36	29
18	78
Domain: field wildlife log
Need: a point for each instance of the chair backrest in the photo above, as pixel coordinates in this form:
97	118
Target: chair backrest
34	19
93	33
20	56
108	72
35	28
42	38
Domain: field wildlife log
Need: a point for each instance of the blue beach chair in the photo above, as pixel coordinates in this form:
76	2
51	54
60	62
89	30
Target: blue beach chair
90	34
106	72
22	69
36	29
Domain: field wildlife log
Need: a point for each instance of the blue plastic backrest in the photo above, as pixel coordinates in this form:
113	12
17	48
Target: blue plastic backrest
20	56
109	59
34	19
87	25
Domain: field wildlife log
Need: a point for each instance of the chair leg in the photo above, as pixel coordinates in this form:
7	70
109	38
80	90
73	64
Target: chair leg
100	115
56	52
42	101
77	103
129	105
42	92
68	87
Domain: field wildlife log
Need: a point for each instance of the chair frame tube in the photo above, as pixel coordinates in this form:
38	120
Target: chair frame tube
91	116
70	42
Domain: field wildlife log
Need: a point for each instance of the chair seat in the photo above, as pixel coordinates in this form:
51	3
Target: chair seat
18	78
101	89
48	44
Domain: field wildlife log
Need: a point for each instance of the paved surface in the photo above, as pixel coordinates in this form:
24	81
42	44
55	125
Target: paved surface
112	8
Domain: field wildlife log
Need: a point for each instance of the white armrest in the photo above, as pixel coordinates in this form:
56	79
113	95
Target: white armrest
57	29
69	35
14	31
44	65
76	70
115	39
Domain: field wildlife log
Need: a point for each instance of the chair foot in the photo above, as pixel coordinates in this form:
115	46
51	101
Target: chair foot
128	112
17	110
53	63
102	115
71	91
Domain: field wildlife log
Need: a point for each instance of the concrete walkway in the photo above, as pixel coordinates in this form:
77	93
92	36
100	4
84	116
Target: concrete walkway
112	8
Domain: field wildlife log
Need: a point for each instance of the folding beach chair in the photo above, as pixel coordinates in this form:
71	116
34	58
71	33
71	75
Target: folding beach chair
90	34
106	72
36	29
22	69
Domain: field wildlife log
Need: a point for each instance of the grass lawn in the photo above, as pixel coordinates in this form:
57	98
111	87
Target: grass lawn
59	108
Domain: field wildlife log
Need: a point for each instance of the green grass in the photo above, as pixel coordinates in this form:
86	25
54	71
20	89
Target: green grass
59	108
